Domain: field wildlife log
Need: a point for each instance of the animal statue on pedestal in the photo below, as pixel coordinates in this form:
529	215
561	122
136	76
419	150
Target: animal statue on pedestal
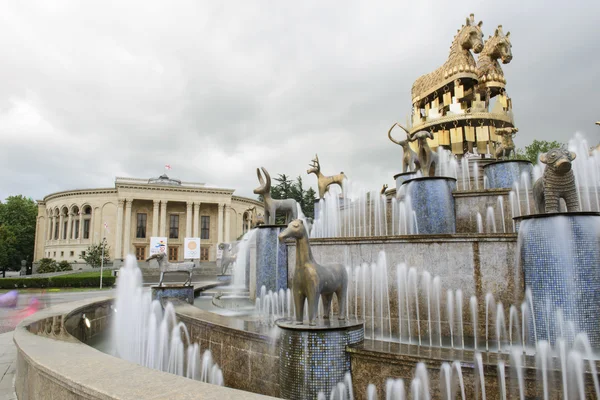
166	267
229	256
460	59
410	162
507	146
557	181
495	48
383	189
324	181
428	158
288	206
312	280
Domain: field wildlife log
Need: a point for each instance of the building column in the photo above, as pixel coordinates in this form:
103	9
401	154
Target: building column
188	219
61	220
220	223
69	227
52	227
227	211
197	220
127	233
49	227
155	218
119	240
80	232
163	218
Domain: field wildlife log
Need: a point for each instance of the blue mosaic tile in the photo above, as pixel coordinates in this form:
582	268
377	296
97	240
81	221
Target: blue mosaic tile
560	260
271	259
313	361
433	203
502	174
185	293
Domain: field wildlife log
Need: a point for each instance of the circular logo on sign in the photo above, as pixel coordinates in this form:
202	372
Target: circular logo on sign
192	245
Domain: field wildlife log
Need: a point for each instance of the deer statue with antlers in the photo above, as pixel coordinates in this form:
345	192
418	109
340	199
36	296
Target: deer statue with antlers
288	206
324	181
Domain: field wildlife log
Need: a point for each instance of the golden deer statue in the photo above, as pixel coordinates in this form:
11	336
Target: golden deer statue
324	181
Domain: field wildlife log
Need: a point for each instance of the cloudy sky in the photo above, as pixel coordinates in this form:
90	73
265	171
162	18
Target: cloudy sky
91	90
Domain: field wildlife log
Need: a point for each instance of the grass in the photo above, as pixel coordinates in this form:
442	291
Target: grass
90	274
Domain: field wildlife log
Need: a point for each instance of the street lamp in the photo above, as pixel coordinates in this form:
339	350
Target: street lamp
103	244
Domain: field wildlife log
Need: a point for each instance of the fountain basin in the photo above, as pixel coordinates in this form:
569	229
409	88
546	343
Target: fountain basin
181	292
313	359
432	203
52	361
502	174
559	255
234	302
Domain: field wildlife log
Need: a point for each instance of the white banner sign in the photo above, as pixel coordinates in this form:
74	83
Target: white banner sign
191	248
158	244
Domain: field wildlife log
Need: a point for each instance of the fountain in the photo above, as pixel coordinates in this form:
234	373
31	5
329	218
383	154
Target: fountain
457	284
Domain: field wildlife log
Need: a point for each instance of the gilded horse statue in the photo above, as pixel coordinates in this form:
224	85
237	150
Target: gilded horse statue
497	47
468	38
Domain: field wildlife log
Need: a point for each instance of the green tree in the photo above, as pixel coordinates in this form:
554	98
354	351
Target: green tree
288	189
46	265
532	151
18	216
93	254
309	202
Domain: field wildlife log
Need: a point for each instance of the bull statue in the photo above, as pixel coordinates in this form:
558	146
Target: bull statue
288	206
428	158
557	181
166	267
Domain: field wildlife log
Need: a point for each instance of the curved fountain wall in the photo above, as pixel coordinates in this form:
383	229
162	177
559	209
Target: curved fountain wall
52	362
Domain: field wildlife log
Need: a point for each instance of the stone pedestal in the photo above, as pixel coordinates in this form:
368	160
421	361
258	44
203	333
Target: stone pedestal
502	174
271	259
184	293
313	359
559	256
432	201
403	177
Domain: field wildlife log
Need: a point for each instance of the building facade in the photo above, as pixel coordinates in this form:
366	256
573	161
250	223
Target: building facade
135	210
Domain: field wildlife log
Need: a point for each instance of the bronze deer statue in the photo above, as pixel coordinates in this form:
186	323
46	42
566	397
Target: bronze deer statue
410	162
312	280
288	206
324	181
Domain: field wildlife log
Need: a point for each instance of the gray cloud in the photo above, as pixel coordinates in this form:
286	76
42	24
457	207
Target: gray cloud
103	89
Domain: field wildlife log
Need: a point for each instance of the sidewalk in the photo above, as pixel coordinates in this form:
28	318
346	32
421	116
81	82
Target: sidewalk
8	365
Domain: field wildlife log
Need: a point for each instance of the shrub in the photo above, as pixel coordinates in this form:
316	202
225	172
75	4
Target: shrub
47	265
64	266
74	281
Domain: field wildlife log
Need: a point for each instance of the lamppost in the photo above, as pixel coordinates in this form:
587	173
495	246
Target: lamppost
103	244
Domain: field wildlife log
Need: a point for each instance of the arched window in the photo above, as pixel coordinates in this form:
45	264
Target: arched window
87	220
75	223
64	213
56	223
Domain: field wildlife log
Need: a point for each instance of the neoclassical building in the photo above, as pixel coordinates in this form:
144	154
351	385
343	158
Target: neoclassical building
135	210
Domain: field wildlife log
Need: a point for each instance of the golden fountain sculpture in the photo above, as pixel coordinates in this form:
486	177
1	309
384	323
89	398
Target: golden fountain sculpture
453	102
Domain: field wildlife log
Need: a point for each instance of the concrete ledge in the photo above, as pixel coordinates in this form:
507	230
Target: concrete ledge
49	368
